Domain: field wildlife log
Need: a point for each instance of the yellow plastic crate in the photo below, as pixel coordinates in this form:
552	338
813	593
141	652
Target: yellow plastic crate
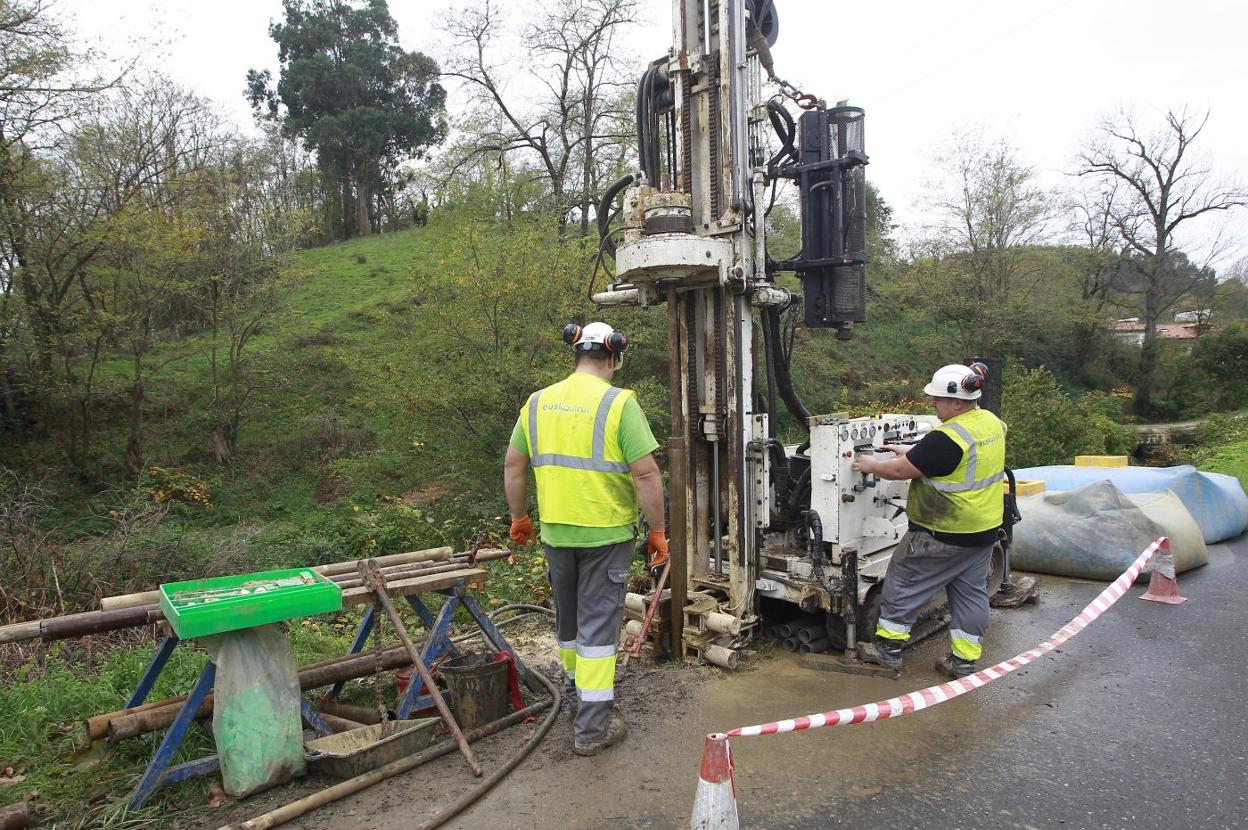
1025	487
1100	460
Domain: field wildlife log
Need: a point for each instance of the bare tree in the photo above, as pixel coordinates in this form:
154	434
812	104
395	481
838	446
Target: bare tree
577	129
1165	187
1097	262
976	265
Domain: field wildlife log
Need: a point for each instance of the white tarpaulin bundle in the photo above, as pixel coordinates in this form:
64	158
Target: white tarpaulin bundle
1095	532
1217	502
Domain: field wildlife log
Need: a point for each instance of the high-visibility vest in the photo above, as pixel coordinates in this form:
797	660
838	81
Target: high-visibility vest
971	498
573	432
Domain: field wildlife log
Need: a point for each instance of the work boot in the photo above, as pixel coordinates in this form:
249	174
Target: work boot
570	698
882	652
617	730
954	666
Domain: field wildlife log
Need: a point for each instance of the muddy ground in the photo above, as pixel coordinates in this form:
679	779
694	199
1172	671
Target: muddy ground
1135	723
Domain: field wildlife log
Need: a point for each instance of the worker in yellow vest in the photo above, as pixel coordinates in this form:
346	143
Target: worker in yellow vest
955	506
590	448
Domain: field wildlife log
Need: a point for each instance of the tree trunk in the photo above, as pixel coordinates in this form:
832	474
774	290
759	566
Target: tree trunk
346	214
134	443
362	225
1146	381
9	400
223	438
1147	371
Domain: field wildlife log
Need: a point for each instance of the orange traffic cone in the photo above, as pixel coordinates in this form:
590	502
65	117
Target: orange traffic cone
1162	586
715	805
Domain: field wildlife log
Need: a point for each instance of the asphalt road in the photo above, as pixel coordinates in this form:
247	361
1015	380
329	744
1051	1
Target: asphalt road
1138	723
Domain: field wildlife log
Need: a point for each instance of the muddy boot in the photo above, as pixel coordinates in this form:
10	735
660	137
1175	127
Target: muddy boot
954	666
617	730
882	652
570	698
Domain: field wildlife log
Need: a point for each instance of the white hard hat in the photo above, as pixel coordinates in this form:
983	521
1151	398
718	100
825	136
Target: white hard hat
595	337
957	381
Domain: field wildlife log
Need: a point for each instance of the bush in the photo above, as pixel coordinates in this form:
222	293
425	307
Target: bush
1218	430
1222	446
326	436
1231	459
1222	357
1047	426
173	486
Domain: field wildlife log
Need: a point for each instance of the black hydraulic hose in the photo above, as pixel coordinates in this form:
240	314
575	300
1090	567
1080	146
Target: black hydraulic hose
521	606
814	547
769	351
802	485
647	113
643	121
786	131
784	380
780	467
1011	517
604	213
467	799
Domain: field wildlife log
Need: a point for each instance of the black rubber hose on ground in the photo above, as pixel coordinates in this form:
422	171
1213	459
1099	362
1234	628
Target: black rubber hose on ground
351	786
467	799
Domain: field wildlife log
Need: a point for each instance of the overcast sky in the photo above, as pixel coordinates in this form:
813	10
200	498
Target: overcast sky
1039	73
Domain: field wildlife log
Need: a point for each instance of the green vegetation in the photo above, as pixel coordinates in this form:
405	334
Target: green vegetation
1222	446
1048	426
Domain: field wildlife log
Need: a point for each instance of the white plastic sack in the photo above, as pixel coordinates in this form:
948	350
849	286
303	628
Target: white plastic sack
256	719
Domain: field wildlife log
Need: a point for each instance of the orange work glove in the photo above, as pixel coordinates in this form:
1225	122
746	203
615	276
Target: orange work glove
522	532
656	552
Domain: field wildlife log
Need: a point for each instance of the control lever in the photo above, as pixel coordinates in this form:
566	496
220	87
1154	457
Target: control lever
867	479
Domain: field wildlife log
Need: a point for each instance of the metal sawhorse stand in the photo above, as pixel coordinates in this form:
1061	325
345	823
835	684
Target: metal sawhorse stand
160	770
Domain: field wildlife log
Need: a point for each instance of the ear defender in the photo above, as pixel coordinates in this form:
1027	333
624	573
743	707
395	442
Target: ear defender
974	382
616	341
571	334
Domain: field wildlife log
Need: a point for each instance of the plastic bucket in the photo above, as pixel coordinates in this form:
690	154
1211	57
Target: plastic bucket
478	687
402	678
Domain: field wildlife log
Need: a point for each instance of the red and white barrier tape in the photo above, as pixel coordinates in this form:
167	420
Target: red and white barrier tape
932	695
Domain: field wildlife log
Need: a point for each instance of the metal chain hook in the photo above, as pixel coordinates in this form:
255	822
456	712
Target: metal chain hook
803	99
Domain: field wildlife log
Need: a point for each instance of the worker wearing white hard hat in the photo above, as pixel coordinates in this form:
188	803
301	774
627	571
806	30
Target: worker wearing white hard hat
955	505
590	448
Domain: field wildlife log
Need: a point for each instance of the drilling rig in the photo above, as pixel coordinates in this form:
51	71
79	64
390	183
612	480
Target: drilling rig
754	522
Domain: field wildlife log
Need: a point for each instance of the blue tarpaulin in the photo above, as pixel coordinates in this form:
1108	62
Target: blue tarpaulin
1217	502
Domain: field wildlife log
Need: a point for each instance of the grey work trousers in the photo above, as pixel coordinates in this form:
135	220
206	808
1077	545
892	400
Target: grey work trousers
921	566
588	585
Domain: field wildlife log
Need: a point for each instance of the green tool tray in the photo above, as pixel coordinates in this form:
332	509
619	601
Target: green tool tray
199	607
